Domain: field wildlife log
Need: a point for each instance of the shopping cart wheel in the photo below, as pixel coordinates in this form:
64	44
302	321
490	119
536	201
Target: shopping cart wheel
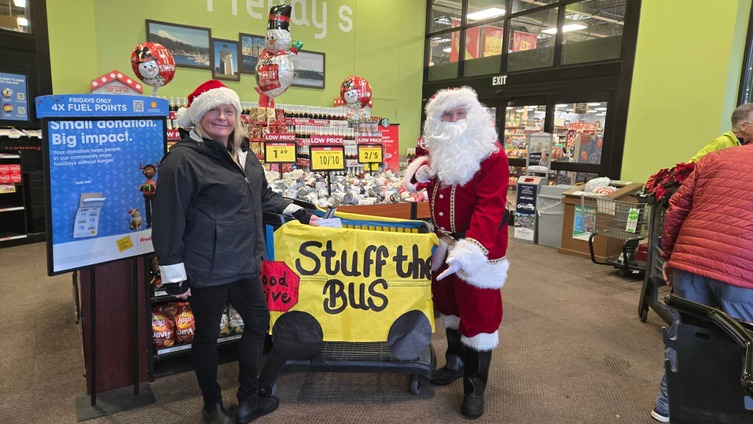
643	313
415	384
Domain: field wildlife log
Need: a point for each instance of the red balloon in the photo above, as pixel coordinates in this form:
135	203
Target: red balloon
355	92
153	64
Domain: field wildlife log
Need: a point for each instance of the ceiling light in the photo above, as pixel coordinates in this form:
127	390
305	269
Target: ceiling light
600	108
486	14
19	3
447	49
565	28
595	104
22	22
520	110
561	105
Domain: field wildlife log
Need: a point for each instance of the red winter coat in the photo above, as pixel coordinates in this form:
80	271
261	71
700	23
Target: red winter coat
708	228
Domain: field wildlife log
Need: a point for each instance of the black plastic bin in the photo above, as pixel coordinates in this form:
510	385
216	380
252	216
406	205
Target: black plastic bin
709	381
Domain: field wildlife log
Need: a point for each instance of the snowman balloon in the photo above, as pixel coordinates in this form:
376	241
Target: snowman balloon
153	64
274	70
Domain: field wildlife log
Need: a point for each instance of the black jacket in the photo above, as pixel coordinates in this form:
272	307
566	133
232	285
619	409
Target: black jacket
208	213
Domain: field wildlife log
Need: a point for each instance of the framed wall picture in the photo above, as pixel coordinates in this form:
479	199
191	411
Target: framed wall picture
188	44
309	69
225	54
251	47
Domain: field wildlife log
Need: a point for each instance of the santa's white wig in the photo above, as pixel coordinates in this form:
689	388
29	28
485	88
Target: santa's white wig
457	149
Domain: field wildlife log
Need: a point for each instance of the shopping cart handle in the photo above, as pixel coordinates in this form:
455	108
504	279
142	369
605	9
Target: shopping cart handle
728	325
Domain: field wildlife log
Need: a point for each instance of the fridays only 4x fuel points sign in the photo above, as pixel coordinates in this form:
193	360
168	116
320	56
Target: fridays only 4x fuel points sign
101	156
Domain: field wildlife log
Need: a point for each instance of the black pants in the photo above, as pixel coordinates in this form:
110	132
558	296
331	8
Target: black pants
207	303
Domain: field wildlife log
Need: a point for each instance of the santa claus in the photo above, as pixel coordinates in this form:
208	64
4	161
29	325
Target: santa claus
466	175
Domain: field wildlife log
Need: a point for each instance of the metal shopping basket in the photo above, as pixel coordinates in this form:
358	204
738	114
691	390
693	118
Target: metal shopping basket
624	221
316	335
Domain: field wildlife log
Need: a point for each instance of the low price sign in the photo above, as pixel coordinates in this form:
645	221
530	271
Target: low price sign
370	153
327	158
279	152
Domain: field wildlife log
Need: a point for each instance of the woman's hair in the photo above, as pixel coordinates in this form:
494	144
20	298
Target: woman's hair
235	139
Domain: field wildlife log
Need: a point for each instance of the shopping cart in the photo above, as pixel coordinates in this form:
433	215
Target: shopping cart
653	280
625	221
300	339
709	366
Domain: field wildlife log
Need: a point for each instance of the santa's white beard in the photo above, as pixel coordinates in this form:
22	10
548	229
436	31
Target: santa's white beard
457	151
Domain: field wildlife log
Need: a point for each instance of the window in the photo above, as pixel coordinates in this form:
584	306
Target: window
532	34
532	40
483	48
14	15
579	128
592	31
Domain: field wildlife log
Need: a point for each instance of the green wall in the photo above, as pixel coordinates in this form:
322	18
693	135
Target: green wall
685	82
381	41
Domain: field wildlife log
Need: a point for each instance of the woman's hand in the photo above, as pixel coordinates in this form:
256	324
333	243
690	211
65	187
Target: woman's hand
667	272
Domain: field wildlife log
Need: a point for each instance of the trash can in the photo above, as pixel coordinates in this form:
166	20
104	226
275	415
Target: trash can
551	212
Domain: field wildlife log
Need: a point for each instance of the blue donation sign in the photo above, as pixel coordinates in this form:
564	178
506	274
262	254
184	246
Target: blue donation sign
102	156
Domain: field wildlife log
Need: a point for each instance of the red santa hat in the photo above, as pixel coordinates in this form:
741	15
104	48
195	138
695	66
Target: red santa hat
208	95
451	98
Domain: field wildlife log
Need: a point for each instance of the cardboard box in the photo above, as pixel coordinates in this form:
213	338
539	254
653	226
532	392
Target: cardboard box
581	216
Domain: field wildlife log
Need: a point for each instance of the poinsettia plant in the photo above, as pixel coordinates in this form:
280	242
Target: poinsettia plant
662	185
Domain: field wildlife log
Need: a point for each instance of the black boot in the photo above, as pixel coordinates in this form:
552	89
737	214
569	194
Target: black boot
453	368
251	409
475	375
215	413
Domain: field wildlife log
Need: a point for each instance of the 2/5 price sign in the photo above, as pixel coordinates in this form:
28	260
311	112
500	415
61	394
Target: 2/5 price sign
279	152
327	158
370	153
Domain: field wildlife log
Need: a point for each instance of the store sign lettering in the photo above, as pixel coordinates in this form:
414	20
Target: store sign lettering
259	9
499	80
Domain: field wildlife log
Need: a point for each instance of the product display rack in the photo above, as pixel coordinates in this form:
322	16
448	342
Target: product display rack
177	358
21	188
12	208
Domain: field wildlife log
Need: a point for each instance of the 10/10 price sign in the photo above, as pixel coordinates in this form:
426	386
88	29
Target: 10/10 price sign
279	152
370	153
331	158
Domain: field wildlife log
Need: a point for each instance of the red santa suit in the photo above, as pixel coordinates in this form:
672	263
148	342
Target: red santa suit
474	213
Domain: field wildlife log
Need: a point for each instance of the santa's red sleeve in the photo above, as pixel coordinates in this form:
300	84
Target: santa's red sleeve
409	178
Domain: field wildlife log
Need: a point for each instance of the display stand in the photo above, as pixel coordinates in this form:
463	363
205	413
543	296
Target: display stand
528	186
121	399
93	148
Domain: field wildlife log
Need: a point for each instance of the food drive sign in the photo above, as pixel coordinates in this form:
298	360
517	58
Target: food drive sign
355	283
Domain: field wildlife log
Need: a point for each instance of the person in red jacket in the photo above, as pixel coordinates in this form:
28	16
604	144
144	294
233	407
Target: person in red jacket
708	239
466	174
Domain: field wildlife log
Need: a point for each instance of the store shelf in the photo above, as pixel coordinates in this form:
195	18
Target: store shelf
12	209
11	236
172	350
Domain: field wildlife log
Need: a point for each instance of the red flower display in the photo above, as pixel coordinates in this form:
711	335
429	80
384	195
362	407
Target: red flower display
662	185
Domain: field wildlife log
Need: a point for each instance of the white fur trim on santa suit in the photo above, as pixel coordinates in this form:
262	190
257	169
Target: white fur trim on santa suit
451	321
188	117
410	171
482	341
475	268
450	98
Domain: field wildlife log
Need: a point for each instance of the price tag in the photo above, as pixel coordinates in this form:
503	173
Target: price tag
279	152
370	153
327	158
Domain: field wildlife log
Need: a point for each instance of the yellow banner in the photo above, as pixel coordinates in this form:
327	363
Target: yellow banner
356	283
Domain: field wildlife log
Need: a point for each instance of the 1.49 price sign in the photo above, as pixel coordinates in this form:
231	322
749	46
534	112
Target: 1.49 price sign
279	152
331	158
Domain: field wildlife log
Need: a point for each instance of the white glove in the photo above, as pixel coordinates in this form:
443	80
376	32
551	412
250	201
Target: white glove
452	267
423	174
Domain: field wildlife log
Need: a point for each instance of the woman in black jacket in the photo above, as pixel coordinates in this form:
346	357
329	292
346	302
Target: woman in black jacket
208	235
